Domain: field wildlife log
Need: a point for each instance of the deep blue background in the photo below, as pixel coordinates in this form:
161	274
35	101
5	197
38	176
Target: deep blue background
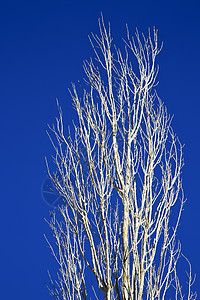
42	46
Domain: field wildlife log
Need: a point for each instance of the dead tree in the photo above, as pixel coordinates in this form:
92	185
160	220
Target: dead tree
119	174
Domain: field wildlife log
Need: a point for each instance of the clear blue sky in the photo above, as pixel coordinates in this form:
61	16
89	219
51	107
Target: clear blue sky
42	45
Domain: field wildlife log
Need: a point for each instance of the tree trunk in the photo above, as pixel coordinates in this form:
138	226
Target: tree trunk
125	243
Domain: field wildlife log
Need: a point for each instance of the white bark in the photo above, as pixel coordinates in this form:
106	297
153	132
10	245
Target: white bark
120	178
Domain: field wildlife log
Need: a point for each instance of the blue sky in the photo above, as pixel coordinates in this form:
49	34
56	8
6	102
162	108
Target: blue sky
42	46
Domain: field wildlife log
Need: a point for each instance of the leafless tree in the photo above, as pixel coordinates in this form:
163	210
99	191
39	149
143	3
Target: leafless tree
119	174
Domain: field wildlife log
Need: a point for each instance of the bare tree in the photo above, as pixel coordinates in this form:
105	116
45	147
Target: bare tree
119	174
